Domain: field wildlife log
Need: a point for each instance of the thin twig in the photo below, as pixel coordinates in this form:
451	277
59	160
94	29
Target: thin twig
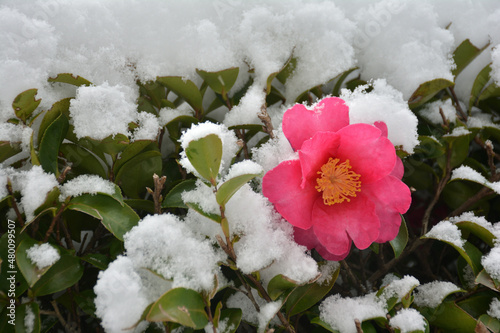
358	326
157	197
353	277
63	174
266	119
54	222
457	104
13	202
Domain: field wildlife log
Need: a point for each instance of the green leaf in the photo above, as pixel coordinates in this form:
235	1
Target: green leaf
280	284
399	243
82	160
180	305
70	79
197	208
230	187
205	155
25	103
137	173
427	90
51	141
464	54
117	218
318	321
287	70
492	323
58	108
450	317
341	79
85	300
430	147
174	198
8	149
304	297
131	151
29	270
221	81
480	82
459	146
492	90
21	312
111	145
141	204
63	274
97	260
486	280
480	231
232	318
185	89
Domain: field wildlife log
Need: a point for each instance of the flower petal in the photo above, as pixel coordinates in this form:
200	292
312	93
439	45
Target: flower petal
300	123
391	197
315	152
371	155
399	169
337	224
281	186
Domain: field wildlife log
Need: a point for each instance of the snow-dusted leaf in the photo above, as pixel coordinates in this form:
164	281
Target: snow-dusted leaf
82	160
29	270
25	103
467	173
197	208
479	83
8	149
464	54
231	186
427	90
24	312
280	284
63	274
174	198
185	89
137	173
70	79
221	81
205	155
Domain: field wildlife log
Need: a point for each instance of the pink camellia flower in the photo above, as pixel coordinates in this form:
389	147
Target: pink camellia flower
346	185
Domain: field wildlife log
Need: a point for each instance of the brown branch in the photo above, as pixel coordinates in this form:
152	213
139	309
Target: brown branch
353	277
266	119
358	326
242	142
157	197
13	202
483	193
54	222
63	175
463	115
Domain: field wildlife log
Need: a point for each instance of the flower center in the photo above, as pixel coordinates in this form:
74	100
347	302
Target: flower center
337	182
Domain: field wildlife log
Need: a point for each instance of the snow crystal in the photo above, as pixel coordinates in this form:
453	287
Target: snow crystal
341	313
408	320
243	168
240	301
91	184
104	110
479	119
431	112
11	132
248	108
491	263
399	288
433	293
148	127
383	103
43	255
466	172
495	65
34	185
458	131
494	309
29	319
266	313
273	152
196	132
203	196
120	297
165	245
423	47
448	232
327	271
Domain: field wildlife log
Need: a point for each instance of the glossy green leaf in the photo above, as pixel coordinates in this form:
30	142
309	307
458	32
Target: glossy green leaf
464	54
29	270
492	90
459	150
427	90
430	147
221	81
25	103
58	108
197	208
185	89
9	149
304	297
280	284
205	155
318	321
21	312
63	274
340	80
230	187
131	151
480	231
174	198
287	70
51	141
117	218
493	324
85	300
480	82
137	173
232	317
97	260
112	145
141	204
450	317
486	280
70	79
82	160
399	243
180	305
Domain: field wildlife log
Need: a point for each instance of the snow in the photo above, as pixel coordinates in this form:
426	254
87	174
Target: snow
148	127
198	131
399	288
11	132
91	184
383	103
163	244
168	114
327	271
273	152
494	309
104	110
340	313
458	131
34	185
246	167
433	293
266	313
43	255
447	232
29	319
467	173
408	320
495	65
431	112
479	220
491	262
248	108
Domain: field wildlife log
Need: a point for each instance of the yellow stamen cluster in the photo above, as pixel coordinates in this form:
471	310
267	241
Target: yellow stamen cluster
337	181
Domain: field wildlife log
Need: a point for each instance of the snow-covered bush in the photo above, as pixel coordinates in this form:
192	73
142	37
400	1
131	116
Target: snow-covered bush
232	166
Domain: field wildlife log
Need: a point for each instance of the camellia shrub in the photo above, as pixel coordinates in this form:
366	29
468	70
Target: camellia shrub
216	203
